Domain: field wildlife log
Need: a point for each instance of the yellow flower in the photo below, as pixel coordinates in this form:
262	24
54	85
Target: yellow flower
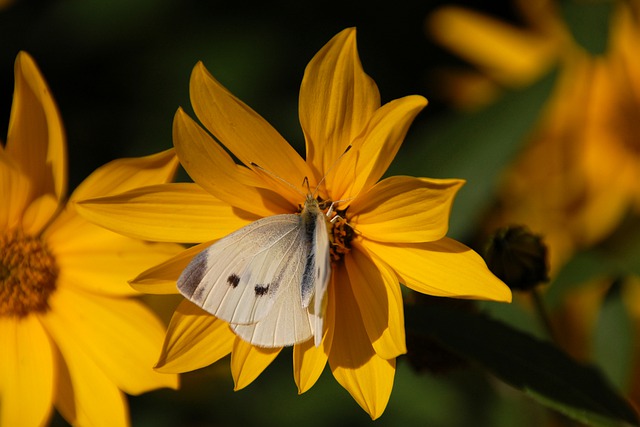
504	54
579	173
389	231
71	334
611	157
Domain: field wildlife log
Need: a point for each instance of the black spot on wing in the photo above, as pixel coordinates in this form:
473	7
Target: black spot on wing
198	294
192	275
233	280
261	289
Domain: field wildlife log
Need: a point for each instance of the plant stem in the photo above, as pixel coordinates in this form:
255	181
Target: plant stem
543	315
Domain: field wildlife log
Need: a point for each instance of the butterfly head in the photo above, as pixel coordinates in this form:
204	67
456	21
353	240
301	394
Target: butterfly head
341	233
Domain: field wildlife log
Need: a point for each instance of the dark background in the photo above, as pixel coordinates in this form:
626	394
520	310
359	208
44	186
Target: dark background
120	69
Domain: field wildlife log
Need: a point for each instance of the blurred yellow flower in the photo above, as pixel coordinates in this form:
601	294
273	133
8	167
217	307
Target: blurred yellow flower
389	231
5	4
71	334
579	172
504	54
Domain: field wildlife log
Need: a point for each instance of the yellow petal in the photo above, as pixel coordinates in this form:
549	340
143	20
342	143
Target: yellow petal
15	188
161	278
375	149
308	360
39	213
377	293
194	339
353	361
308	364
441	268
209	165
405	210
623	41
242	131
609	166
121	336
510	55
98	260
248	362
126	174
35	138
337	99
370	384
85	395
181	212
464	89
26	372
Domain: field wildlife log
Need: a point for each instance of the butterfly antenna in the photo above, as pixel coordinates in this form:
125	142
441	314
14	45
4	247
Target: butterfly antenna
306	179
260	168
330	169
305	182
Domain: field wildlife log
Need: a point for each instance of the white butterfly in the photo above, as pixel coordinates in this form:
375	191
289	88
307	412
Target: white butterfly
268	279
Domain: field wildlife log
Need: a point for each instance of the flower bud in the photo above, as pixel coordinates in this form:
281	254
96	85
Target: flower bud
517	257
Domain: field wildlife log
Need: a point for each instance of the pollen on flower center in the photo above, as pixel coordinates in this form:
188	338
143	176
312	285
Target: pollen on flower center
28	274
340	235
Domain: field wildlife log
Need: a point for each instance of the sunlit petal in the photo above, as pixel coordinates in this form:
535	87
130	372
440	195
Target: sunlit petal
209	165
375	149
14	186
404	209
248	362
353	361
39	213
337	99
308	360
120	335
103	268
194	339
509	54
26	372
35	138
441	268
242	131
85	395
181	212
161	278
377	293
126	174
370	384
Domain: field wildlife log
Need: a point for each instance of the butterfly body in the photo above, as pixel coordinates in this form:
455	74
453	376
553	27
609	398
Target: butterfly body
268	279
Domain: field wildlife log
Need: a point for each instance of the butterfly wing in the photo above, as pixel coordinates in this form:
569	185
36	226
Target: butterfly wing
286	324
243	276
321	276
298	312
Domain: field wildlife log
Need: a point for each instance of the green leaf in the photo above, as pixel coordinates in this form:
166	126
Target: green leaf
624	246
536	367
613	341
588	22
582	267
474	146
618	256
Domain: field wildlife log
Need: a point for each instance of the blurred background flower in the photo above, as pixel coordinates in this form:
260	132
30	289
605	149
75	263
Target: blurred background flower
533	103
576	179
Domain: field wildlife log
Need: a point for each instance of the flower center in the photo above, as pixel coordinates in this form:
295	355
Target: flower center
340	236
28	274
